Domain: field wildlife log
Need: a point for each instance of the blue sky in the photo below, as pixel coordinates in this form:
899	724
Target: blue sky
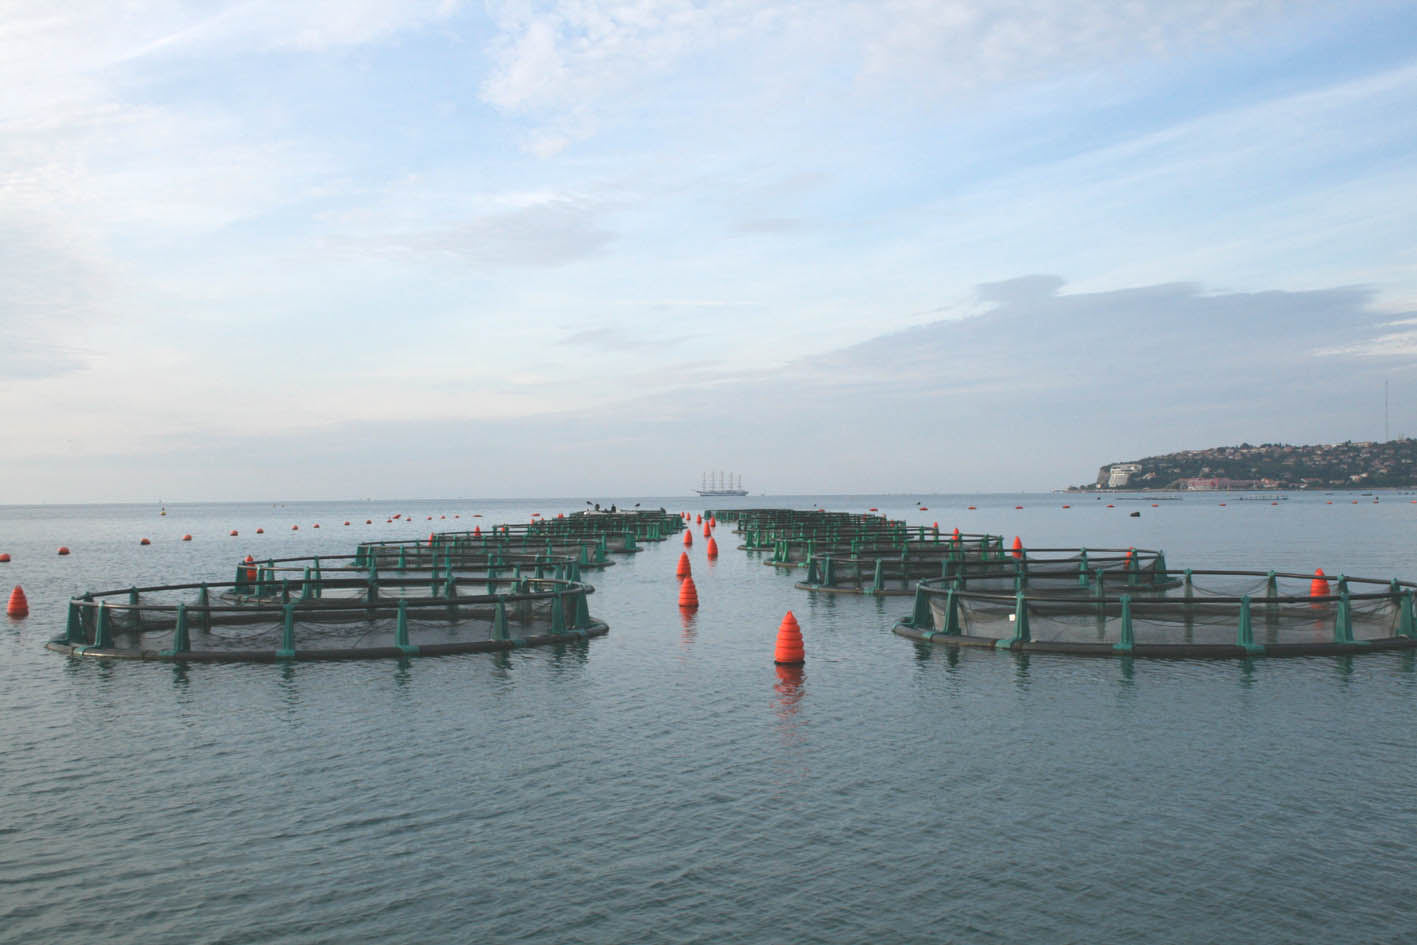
261	250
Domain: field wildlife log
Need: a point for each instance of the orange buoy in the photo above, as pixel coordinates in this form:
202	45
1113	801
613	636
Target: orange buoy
688	537
295	528
4	556
398	515
1067	506
682	570
1110	505
955	536
1018	506
1018	547
971	508
688	594
430	518
477	531
144	541
346	523
713	521
698	519
63	549
1318	587
259	531
444	516
1156	505
18	606
712	550
368	521
316	525
232	533
873	509
250	572
187	537
789	650
431	536
708	532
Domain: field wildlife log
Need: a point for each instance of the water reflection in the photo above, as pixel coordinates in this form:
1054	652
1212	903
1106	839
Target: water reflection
790	689
402	672
689	624
1021	658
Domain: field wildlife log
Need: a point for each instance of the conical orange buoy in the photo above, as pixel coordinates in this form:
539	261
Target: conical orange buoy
789	650
144	541
430	539
1318	587
477	531
63	549
1018	547
187	537
18	606
688	537
713	521
688	594
955	536
683	570
708	532
250	572
712	550
698	519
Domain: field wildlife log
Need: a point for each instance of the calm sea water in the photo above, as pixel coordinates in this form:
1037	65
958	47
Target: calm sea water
665	784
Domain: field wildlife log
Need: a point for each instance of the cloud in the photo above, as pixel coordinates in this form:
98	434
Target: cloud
548	234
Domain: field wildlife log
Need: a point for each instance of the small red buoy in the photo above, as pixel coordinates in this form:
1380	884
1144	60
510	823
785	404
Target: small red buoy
232	533
924	508
259	531
1067	506
187	537
4	556
682	570
688	594
1018	506
873	509
712	550
144	541
346	523
1110	505
316	525
971	508
368	521
399	515
63	549
19	606
1318	587
688	538
789	650
430	518
295	528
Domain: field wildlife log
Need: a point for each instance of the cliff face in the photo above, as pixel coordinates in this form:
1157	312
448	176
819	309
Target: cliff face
1349	465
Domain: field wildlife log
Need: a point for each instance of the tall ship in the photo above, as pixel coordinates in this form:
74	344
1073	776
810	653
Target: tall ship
721	484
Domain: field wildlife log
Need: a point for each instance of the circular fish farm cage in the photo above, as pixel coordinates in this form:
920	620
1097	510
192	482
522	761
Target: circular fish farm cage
267	616
1178	614
983	566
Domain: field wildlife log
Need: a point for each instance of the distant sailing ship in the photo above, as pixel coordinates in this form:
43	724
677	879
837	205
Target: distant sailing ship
721	485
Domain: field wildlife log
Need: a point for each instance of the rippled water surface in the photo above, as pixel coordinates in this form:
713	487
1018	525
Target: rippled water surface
667	784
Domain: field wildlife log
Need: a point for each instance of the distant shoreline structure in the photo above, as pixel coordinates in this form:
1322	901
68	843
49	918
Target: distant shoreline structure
1268	467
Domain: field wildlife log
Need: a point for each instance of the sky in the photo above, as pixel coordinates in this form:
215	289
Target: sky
403	249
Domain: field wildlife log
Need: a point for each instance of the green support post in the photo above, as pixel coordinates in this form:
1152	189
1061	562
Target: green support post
1271	587
581	618
1127	641
401	632
813	575
1406	617
1245	631
74	625
499	621
240	585
828	571
403	561
877	579
181	639
1083	574
305	588
952	628
319	587
1343	616
372	593
1021	634
558	614
1161	571
287	633
921	617
103	630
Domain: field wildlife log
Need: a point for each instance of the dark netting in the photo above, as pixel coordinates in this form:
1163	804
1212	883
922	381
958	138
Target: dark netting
1198	613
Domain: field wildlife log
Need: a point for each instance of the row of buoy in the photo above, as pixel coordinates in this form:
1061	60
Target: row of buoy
789	649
